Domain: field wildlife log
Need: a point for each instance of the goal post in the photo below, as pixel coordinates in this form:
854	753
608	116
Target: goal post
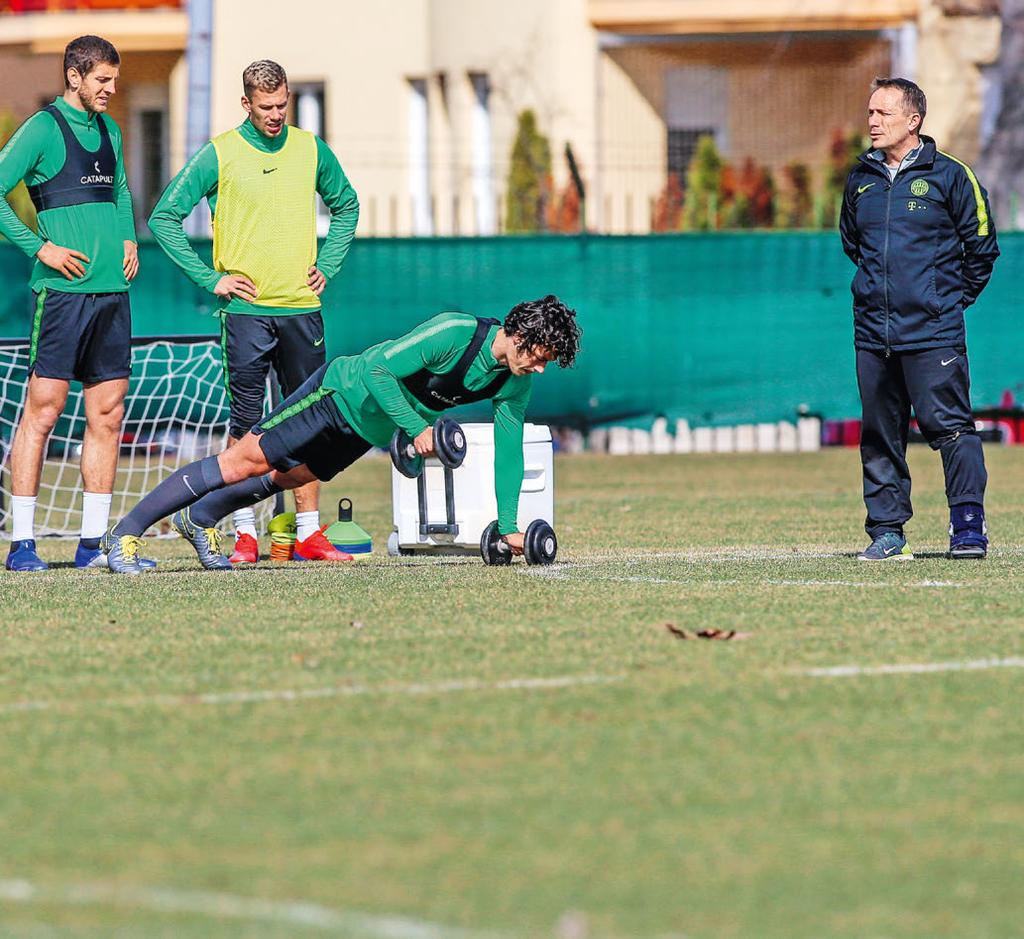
176	411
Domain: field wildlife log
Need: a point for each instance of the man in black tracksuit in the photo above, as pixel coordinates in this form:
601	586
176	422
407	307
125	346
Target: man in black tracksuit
917	224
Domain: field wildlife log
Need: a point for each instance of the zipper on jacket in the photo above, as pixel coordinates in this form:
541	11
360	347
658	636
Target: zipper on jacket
885	256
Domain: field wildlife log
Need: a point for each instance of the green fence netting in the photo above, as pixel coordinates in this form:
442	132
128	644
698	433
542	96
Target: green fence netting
721	328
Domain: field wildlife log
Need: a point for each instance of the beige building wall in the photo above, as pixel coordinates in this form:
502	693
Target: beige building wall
952	53
784	101
363	53
536	54
603	92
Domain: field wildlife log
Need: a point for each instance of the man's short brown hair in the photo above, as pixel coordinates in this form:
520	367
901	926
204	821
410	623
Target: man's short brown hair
263	75
914	101
85	53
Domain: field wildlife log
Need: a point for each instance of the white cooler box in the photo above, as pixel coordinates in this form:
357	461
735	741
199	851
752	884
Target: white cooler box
458	512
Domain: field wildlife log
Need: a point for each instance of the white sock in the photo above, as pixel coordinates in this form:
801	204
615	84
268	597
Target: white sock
95	513
245	522
307	523
23	517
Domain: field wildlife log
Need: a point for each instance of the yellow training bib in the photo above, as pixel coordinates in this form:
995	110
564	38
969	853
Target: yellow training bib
265	223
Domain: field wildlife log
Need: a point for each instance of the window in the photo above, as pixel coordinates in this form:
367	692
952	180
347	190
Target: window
308	103
419	158
696	105
682	145
482	156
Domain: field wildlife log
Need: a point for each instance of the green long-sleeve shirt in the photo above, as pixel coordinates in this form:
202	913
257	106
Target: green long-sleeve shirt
368	392
99	230
198	180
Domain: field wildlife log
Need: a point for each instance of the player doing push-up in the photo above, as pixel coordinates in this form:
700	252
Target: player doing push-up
357	402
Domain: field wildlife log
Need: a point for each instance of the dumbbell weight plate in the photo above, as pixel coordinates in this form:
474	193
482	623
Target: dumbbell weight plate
449	442
540	544
492	548
407	461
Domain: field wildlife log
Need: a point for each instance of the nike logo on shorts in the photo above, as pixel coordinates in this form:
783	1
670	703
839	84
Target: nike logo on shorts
319	342
947	361
269	171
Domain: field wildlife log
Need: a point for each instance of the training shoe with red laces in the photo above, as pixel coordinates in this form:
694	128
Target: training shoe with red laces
317	548
247	550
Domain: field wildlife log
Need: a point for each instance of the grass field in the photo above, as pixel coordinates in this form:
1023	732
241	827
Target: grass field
432	748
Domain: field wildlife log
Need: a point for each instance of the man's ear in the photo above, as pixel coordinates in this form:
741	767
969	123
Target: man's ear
246	105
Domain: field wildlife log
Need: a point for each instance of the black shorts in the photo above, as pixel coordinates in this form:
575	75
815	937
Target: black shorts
84	337
294	345
307	427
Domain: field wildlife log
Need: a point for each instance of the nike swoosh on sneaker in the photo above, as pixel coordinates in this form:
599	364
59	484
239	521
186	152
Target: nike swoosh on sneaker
947	361
889	551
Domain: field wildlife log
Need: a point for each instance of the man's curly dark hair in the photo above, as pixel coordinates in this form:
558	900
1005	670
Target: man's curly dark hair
545	322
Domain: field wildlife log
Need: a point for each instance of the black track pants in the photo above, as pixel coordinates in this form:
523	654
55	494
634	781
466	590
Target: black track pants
936	383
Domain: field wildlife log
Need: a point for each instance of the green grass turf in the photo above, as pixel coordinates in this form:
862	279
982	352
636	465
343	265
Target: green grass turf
698	789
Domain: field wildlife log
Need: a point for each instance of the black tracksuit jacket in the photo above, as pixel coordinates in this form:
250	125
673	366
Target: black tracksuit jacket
924	245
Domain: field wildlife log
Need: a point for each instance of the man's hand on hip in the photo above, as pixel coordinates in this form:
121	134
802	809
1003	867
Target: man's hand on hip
317	282
236	285
66	260
131	260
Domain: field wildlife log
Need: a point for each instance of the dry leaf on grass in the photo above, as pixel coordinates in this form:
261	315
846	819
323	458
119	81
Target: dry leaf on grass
722	635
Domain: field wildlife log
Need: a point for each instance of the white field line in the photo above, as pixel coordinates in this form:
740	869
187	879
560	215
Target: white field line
308	694
566	573
910	668
230	906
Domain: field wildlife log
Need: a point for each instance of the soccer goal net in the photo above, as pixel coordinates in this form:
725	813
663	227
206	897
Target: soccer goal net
176	411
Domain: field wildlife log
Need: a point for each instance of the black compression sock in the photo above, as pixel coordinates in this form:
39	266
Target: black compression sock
217	505
181	488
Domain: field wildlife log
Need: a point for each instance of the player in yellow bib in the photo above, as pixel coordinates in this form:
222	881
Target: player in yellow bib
261	180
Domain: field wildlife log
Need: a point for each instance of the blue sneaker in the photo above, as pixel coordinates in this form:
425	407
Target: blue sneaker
888	546
968	533
94	557
23	557
206	541
122	552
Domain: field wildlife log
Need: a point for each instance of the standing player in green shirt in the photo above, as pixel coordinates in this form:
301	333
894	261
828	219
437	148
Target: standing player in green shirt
69	155
261	180
355	402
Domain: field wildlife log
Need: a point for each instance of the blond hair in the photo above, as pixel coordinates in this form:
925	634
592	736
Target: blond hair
263	75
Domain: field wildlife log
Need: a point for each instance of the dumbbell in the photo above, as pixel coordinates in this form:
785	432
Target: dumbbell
449	445
539	544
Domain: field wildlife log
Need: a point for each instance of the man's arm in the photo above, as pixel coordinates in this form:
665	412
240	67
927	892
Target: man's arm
972	216
122	194
196	181
436	345
509	416
340	199
123	203
22	152
848	225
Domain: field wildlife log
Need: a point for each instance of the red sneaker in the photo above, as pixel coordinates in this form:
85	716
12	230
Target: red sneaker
317	548
247	550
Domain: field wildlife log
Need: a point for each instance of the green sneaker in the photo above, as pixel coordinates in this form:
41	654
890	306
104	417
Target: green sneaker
888	546
206	541
122	552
